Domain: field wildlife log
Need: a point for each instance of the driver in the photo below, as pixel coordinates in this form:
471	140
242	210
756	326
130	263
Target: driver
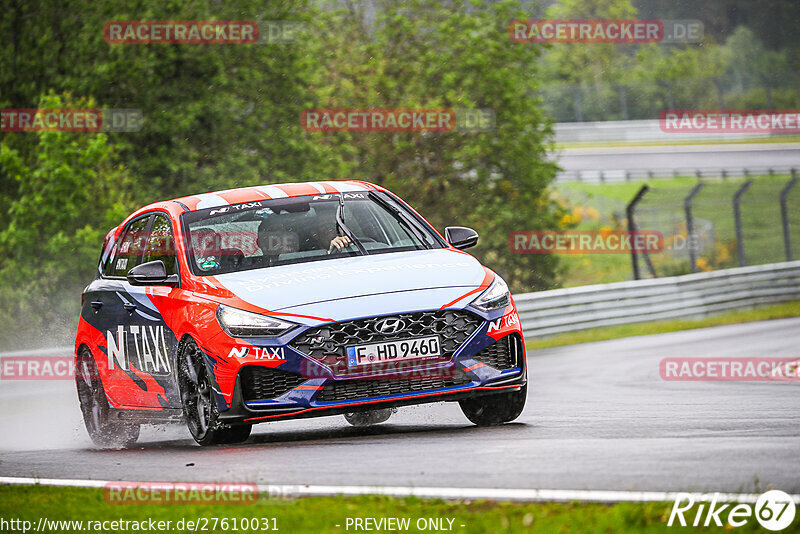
338	242
278	236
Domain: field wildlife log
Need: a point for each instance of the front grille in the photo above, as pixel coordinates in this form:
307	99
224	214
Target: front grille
327	343
259	383
343	390
501	355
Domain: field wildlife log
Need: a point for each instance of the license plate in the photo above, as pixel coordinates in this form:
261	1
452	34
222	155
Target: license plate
393	351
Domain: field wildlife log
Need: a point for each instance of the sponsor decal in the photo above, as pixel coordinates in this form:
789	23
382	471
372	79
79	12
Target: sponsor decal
507	321
730	369
504	325
585	242
70	120
236	207
151	354
345	196
209	264
774	510
258	353
730	120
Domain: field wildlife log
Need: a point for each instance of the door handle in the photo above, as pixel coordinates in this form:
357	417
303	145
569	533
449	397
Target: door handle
129	307
97	305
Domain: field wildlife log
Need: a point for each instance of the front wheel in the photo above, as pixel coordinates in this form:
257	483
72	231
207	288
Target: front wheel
103	431
199	408
490	410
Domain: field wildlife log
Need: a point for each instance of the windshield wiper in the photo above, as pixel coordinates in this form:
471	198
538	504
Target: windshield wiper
403	218
345	229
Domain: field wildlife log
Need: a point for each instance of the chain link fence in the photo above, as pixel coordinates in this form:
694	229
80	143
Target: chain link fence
718	224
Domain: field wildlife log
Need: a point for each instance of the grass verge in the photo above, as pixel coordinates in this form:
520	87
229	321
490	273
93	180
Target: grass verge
761	313
323	514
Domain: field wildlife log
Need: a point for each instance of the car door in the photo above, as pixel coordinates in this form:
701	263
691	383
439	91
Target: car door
152	343
110	310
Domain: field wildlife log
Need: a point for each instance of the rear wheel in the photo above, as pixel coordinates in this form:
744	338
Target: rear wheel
490	410
372	417
95	409
199	408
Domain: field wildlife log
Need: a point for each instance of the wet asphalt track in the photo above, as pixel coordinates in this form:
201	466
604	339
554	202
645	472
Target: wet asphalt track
598	417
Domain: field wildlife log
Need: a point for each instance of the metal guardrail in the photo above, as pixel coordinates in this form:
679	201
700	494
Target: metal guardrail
637	175
693	295
639	130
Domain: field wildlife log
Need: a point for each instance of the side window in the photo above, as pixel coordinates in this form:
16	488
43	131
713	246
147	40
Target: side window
128	252
161	245
108	269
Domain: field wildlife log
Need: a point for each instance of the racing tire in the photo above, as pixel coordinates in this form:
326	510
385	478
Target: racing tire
372	417
491	410
94	405
199	407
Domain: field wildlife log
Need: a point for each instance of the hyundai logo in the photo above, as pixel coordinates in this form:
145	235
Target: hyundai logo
390	326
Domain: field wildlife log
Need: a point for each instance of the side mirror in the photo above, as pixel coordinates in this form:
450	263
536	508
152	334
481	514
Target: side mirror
461	237
152	273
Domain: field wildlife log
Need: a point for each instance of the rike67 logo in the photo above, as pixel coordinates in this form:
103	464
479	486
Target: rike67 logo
774	510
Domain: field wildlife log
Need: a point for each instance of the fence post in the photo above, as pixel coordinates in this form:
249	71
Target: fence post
737	220
687	208
632	225
787	237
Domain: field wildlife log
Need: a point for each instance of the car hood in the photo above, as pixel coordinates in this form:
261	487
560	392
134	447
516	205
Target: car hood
362	286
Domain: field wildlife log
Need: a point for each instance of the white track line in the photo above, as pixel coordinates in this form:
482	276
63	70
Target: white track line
529	495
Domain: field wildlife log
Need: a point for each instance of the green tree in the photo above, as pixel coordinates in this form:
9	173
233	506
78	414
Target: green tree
433	54
71	192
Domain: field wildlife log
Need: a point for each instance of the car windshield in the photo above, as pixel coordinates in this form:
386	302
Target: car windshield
266	233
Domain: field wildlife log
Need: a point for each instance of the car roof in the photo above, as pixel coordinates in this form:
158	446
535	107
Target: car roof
255	193
268	192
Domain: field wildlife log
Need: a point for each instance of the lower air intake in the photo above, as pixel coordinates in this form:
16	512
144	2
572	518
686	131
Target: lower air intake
261	383
344	390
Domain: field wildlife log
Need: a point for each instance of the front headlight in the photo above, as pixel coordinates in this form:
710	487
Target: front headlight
495	297
240	323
